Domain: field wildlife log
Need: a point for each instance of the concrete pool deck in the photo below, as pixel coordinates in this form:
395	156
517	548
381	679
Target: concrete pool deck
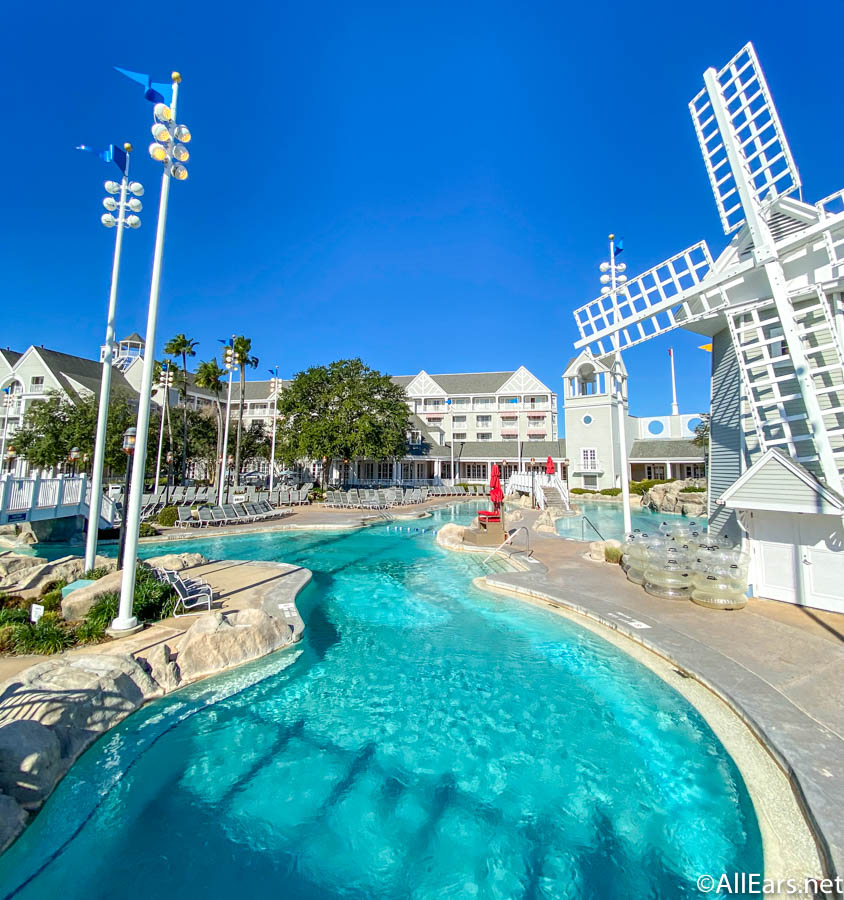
780	667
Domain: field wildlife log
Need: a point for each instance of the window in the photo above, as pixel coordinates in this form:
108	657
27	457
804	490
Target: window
476	471
587	420
257	421
366	470
483	402
415	437
655	426
655	471
589	458
536	437
536	402
484	435
459	420
36	384
385	471
406	471
590	481
434	404
445	470
483	421
462	402
459	436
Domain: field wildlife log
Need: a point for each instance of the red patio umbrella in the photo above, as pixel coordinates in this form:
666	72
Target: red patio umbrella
549	467
495	492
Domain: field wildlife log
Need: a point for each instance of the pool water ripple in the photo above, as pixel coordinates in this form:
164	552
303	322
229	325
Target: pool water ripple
429	741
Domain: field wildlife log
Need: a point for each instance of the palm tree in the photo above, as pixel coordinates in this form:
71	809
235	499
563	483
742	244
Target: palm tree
183	346
209	375
242	348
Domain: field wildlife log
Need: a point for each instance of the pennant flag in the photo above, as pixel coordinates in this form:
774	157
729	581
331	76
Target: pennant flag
152	90
513	400
618	248
707	347
117	155
671	351
448	402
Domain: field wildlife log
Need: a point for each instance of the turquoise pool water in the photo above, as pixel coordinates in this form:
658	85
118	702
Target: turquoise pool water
424	740
608	519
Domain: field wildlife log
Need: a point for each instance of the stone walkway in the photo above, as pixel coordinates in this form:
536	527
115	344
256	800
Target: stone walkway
237	585
779	666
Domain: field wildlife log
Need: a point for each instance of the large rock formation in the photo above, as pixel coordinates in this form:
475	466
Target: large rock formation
12	820
217	642
30	761
670	498
175	562
30	581
77	603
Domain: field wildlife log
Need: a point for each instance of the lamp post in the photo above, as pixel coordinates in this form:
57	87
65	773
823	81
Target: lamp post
228	360
532	483
73	457
127	210
612	278
275	388
229	477
168	148
165	382
129	440
169	477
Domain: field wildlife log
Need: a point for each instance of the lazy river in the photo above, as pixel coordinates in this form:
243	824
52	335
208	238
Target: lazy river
425	740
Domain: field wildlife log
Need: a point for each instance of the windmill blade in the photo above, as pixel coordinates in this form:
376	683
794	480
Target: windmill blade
665	297
756	133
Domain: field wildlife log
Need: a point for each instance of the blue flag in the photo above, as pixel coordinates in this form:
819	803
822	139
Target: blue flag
152	90
618	248
117	155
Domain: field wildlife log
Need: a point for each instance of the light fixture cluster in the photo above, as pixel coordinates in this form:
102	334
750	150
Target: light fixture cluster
130	207
169	144
612	274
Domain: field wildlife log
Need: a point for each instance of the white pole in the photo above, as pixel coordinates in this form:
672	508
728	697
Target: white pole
125	621
622	450
7	404
225	441
451	443
160	445
675	409
275	414
105	387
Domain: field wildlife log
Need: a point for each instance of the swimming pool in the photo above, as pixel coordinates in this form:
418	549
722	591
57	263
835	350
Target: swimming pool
424	740
608	519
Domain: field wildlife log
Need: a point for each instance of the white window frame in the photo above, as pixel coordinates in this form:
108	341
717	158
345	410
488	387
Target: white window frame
589	459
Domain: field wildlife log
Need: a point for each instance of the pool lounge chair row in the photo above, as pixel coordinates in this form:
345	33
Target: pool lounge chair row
375	499
227	514
153	503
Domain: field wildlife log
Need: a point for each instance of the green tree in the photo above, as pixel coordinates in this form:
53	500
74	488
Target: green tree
242	358
202	440
209	376
342	411
701	438
183	346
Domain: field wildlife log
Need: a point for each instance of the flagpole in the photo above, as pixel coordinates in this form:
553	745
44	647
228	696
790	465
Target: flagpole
95	503
622	450
675	409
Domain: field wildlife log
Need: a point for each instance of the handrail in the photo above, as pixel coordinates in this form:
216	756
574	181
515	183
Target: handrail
508	539
582	530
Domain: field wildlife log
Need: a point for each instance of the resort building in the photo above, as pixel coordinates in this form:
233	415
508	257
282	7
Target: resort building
657	446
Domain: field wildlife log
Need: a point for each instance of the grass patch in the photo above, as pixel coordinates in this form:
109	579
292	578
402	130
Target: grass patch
692	490
611	492
612	554
95	574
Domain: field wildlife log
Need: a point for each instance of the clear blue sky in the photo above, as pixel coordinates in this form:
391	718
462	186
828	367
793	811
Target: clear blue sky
423	185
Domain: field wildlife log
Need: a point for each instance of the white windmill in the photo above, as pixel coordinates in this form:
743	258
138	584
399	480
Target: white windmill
776	287
773	301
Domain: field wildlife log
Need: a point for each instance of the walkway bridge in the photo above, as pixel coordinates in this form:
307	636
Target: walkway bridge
549	490
37	499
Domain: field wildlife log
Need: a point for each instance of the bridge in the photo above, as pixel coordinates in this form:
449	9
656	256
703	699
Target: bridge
548	490
38	499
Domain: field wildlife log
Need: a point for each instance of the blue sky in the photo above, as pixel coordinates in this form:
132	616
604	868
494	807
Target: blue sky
422	185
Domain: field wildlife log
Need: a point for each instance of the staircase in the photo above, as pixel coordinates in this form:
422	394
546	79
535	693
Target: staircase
553	497
771	386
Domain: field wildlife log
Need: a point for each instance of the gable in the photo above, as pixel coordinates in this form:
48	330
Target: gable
424	386
523	382
774	483
584	356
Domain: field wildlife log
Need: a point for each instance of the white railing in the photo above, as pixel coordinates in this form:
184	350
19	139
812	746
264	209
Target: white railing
28	499
535	484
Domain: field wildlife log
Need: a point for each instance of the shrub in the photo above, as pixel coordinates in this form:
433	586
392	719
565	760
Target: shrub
612	554
147	530
89	633
51	586
611	492
95	574
13	615
642	487
692	490
52	601
7	638
103	611
581	491
47	636
167	517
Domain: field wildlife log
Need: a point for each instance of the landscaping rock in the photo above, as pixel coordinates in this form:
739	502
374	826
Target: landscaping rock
77	603
31	582
450	535
177	561
78	697
14	565
669	498
162	667
12	820
546	522
30	762
216	642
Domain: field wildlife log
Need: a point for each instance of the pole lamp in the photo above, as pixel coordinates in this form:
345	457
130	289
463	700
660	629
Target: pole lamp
532	483
613	279
229	363
169	477
168	148
73	457
127	207
275	390
130	437
165	382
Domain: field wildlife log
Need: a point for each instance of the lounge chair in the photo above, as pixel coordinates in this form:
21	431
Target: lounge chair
205	516
190	593
186	518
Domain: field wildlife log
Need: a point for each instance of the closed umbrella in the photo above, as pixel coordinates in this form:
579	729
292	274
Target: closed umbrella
549	467
495	492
